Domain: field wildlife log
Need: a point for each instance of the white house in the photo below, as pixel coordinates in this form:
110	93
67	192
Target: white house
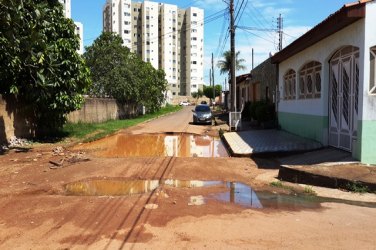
327	82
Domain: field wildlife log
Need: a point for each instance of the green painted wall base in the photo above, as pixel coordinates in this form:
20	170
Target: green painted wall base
308	126
366	152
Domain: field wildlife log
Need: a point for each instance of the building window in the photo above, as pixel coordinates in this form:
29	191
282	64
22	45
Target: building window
289	85
372	84
310	81
194	14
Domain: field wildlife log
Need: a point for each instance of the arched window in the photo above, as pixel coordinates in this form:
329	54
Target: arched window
372	83
289	85
310	80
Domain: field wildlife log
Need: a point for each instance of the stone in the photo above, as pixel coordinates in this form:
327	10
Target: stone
151	206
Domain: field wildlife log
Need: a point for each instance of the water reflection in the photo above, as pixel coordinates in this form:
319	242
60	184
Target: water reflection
238	193
184	145
227	192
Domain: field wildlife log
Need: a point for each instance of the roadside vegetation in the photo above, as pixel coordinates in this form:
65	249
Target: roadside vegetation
87	132
40	70
308	190
118	73
357	187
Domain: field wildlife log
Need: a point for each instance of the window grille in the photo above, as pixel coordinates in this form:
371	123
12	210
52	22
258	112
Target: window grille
310	80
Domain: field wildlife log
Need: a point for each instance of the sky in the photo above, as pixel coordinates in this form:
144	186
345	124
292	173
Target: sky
298	17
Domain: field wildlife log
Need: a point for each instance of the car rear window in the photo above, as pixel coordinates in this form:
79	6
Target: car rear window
202	108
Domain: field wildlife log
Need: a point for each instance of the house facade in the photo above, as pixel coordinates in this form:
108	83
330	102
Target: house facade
327	83
259	85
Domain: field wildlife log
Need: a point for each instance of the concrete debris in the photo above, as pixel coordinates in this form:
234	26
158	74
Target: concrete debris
70	158
17	142
58	150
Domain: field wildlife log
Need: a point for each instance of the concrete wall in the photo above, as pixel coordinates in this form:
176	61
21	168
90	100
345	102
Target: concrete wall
177	99
13	121
96	110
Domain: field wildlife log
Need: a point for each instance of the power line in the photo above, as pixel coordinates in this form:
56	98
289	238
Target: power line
223	30
258	35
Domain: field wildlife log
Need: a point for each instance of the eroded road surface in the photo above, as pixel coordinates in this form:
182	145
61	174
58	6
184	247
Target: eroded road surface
166	184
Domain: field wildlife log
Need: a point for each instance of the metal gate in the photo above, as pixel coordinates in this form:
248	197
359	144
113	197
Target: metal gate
344	98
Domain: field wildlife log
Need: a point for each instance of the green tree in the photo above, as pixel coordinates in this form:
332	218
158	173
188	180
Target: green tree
39	65
198	94
225	64
208	91
120	74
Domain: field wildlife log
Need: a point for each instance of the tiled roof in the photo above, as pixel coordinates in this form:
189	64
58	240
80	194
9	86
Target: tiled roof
345	16
243	77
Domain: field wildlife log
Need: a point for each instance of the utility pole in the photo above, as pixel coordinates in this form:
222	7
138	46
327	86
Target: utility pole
280	31
213	78
252	58
233	58
210	77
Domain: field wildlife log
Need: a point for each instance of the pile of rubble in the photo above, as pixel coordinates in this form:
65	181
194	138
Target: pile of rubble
67	157
15	142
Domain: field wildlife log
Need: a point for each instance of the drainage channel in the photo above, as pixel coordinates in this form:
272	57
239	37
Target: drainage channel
169	144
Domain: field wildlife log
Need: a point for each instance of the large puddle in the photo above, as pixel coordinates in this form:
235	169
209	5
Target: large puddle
177	145
226	192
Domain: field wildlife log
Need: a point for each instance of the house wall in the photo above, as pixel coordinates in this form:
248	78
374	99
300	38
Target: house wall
367	125
265	75
309	117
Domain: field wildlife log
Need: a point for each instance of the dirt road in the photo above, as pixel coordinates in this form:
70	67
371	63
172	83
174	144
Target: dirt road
174	209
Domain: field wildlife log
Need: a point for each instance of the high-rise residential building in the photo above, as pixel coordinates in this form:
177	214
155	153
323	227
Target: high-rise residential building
169	38
67	7
80	33
79	26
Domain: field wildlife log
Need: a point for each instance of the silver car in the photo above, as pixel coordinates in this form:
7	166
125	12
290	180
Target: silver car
202	114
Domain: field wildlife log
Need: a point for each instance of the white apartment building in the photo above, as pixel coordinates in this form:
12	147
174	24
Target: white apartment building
67	7
79	26
169	38
80	33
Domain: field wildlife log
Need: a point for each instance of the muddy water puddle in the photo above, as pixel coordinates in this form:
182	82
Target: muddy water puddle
177	145
219	191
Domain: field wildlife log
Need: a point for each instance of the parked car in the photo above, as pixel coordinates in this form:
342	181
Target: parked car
204	102
184	103
202	114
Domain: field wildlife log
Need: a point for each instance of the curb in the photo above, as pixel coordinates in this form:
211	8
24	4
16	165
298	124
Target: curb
289	174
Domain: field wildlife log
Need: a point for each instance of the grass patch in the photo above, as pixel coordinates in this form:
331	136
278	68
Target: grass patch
93	131
309	191
357	187
280	184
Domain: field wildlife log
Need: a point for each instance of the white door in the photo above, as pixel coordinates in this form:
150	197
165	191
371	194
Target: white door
343	98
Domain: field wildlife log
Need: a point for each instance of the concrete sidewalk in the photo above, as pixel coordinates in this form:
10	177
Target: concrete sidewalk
327	167
245	143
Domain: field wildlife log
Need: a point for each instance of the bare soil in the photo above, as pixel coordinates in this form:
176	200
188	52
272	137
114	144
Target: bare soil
36	213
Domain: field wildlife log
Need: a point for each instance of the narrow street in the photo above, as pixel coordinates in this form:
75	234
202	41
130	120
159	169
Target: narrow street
102	198
180	122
